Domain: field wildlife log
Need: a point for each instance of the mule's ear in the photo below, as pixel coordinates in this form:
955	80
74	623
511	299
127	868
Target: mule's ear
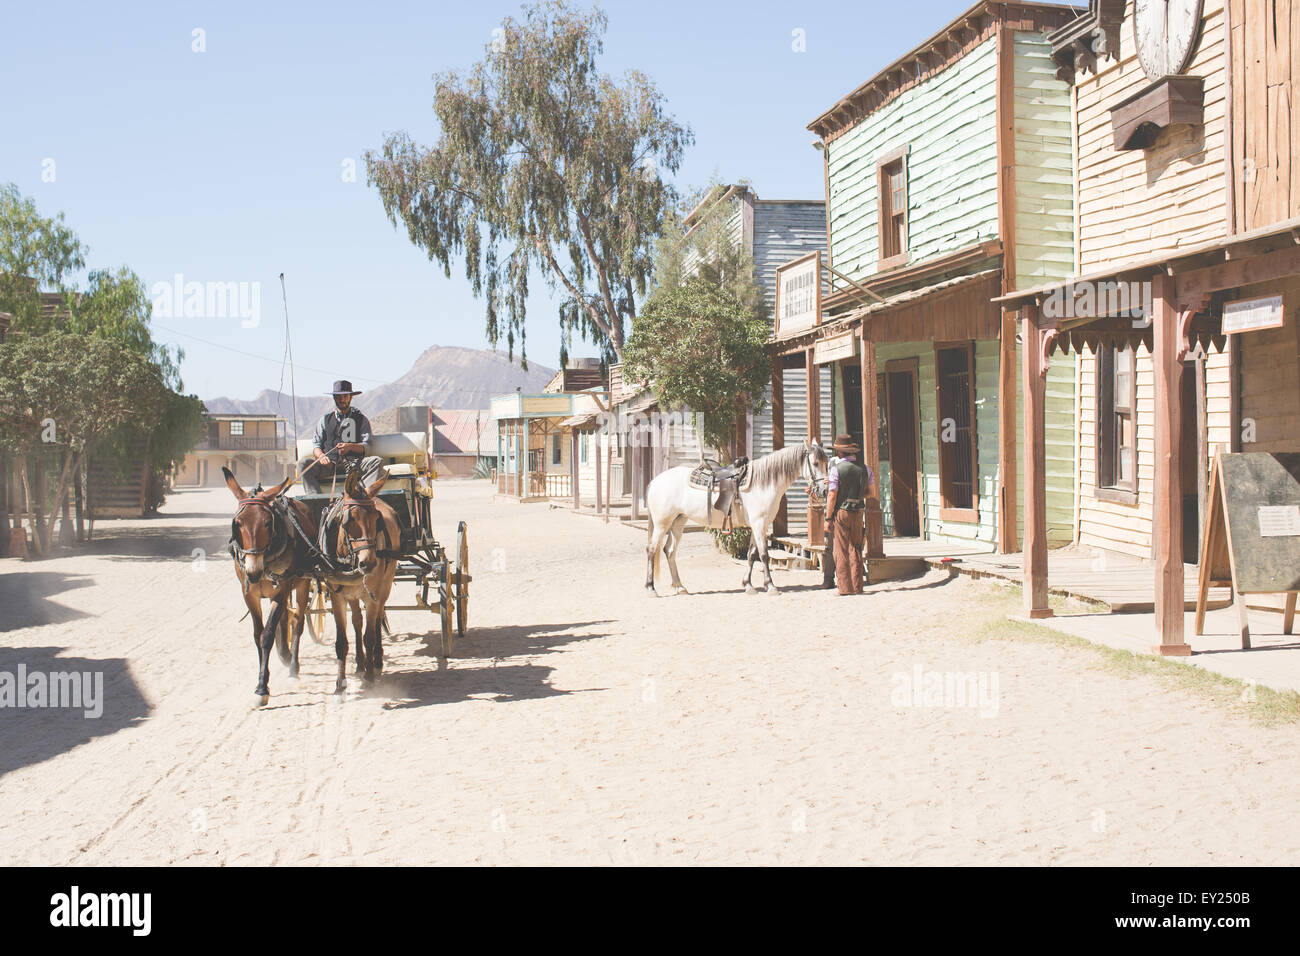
233	485
350	484
278	490
376	485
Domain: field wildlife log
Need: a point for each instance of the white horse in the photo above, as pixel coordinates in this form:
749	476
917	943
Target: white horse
672	501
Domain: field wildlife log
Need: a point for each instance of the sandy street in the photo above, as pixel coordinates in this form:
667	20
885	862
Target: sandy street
583	722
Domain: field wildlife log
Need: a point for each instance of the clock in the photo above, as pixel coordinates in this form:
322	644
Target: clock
1165	32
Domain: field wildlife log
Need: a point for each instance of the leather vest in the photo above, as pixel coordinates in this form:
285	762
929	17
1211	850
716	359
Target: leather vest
852	481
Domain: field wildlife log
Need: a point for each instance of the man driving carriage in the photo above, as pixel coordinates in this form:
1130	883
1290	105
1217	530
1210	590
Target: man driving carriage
340	444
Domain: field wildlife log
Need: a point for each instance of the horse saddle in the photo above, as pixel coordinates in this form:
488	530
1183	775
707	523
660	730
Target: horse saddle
724	480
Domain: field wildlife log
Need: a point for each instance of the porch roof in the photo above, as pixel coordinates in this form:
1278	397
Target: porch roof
1197	270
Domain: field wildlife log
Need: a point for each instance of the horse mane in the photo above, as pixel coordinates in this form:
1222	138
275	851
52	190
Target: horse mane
782	465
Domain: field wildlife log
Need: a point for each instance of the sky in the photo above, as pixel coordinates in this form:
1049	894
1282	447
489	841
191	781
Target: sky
229	164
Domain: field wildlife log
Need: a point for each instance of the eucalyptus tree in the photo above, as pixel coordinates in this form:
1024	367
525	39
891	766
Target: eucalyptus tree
544	162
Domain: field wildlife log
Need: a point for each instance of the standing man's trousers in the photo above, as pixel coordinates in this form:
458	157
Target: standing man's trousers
325	474
848	551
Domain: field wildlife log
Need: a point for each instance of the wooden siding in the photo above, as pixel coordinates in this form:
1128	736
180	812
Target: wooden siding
1144	202
949	123
1265	94
1270	375
1044	190
1121	527
1060	428
796	429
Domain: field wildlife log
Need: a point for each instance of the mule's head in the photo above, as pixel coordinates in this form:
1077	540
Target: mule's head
255	529
360	524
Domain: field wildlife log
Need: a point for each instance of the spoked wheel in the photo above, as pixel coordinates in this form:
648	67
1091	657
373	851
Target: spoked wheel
462	580
316	612
444	608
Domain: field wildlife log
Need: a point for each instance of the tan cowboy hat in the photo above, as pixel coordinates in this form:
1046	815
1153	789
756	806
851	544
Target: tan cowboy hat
845	442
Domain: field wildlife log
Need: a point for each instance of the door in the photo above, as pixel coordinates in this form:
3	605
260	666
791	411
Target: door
1193	453
904	493
851	379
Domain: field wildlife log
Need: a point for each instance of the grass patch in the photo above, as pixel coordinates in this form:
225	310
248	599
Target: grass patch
1268	707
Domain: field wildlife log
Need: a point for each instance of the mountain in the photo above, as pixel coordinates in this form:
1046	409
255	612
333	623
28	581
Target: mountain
442	377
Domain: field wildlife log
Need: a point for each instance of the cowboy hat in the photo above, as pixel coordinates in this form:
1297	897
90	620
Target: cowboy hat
344	387
845	442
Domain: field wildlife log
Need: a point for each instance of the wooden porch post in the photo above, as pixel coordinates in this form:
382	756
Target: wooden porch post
781	525
595	461
1007	501
637	435
1167	516
871	446
573	467
816	524
1035	387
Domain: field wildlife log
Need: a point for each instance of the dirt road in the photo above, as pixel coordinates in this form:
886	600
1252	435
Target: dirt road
583	722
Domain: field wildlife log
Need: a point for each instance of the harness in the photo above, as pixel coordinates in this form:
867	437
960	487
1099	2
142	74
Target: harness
336	513
276	544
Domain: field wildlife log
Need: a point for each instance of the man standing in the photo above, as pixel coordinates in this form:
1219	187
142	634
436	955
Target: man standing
847	485
828	556
340	441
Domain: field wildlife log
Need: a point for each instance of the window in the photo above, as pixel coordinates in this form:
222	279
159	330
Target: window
555	449
236	428
582	445
955	385
1116	424
891	183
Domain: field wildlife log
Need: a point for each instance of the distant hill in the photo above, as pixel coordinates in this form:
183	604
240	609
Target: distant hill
442	377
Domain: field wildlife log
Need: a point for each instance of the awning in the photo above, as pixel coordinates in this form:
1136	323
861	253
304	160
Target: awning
579	421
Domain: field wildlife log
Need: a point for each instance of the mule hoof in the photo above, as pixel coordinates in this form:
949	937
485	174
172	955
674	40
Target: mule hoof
773	589
340	686
680	590
750	589
260	700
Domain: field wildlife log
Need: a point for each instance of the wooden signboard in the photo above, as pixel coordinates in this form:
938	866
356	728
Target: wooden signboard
1248	315
835	348
1252	533
799	294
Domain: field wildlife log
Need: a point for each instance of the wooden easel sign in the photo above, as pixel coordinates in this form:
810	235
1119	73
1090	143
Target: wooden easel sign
1252	533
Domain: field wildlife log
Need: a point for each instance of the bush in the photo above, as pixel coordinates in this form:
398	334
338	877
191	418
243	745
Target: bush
736	543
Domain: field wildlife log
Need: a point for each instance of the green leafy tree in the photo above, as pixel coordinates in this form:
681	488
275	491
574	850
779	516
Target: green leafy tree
702	350
61	391
35	253
542	161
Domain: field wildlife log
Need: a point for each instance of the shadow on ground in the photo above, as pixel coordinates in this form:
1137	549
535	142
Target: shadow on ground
26	600
32	735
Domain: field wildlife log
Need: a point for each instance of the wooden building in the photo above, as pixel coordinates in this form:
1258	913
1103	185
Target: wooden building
948	182
255	448
1182	308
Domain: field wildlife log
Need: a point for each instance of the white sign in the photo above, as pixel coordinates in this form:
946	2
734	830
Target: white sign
1247	315
836	348
1279	521
798	294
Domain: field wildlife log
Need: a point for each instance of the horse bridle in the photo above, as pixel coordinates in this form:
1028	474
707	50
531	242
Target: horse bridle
809	475
277	531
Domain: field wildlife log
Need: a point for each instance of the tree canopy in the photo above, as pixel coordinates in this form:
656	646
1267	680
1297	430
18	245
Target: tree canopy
541	161
704	351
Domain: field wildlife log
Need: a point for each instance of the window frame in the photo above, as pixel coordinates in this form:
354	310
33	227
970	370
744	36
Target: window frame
1105	449
886	212
948	511
557	453
236	429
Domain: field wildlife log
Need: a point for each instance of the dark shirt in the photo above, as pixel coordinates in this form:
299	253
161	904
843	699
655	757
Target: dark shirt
850	479
334	428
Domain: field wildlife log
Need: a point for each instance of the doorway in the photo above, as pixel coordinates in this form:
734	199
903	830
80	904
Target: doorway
904	470
851	390
1193	452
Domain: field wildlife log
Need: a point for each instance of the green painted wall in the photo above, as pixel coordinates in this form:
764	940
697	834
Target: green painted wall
949	124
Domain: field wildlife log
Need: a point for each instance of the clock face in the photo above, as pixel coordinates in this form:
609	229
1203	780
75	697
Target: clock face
1165	31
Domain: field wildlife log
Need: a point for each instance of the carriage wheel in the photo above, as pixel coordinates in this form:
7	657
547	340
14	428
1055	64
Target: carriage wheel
444	608
462	580
316	612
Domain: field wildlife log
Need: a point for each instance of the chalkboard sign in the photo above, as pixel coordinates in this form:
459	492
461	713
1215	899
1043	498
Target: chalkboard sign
1252	534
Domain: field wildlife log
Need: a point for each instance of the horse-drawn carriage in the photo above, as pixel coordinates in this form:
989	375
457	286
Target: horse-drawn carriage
439	578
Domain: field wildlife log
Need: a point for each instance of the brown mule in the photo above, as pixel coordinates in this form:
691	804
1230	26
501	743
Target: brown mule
364	530
271	559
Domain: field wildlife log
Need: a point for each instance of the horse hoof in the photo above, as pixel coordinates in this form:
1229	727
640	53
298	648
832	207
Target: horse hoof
340	686
680	590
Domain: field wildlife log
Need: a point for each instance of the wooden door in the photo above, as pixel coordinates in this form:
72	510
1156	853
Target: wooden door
904	490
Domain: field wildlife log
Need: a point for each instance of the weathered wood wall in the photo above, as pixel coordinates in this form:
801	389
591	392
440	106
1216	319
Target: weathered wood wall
1265	95
1173	195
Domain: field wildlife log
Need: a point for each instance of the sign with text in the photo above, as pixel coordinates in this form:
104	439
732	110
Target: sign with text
1248	315
835	348
798	294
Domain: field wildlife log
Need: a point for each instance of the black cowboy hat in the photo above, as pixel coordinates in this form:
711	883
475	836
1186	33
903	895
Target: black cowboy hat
845	442
344	387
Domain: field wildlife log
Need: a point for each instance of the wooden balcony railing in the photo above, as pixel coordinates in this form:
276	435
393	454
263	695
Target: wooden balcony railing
242	443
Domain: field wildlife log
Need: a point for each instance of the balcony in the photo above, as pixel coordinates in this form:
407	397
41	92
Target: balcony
243	443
